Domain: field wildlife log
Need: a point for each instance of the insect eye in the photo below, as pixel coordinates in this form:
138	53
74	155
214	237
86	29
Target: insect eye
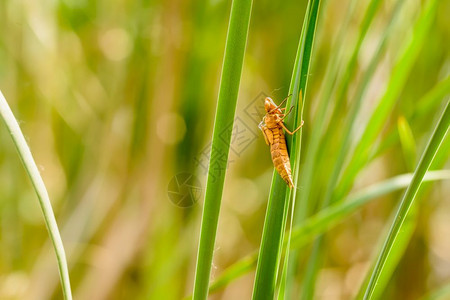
268	104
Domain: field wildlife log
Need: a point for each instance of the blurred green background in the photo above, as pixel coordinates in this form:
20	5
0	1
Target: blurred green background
117	97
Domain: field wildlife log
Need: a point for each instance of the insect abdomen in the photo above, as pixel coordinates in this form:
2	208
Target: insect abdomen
280	156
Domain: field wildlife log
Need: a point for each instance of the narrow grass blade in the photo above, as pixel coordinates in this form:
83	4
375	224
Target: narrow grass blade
41	191
270	250
351	66
326	219
432	99
226	107
399	76
236	270
398	250
407	142
407	201
278	204
334	214
298	79
401	243
349	126
303	207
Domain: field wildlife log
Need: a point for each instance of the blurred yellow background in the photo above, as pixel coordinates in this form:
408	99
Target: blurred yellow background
115	98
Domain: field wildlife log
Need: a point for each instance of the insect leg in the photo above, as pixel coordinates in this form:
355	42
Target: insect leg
286	114
266	132
286	98
265	136
287	130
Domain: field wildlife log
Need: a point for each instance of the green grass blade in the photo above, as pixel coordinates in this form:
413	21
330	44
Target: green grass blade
348	128
351	123
278	204
398	249
238	269
326	219
269	254
407	142
408	198
285	283
41	191
351	66
335	213
432	99
399	76
401	243
303	207
226	107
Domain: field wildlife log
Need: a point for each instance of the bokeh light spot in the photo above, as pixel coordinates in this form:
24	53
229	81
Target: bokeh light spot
115	44
170	128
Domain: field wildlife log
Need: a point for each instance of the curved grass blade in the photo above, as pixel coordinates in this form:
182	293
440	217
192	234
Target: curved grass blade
407	201
325	220
41	191
226	107
278	204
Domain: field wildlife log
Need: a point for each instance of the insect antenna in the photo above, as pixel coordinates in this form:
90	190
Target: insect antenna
286	98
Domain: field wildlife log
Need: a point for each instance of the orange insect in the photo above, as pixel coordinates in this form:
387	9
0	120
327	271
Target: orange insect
272	127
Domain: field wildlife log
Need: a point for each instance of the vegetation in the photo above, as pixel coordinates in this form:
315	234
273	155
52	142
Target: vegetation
122	102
